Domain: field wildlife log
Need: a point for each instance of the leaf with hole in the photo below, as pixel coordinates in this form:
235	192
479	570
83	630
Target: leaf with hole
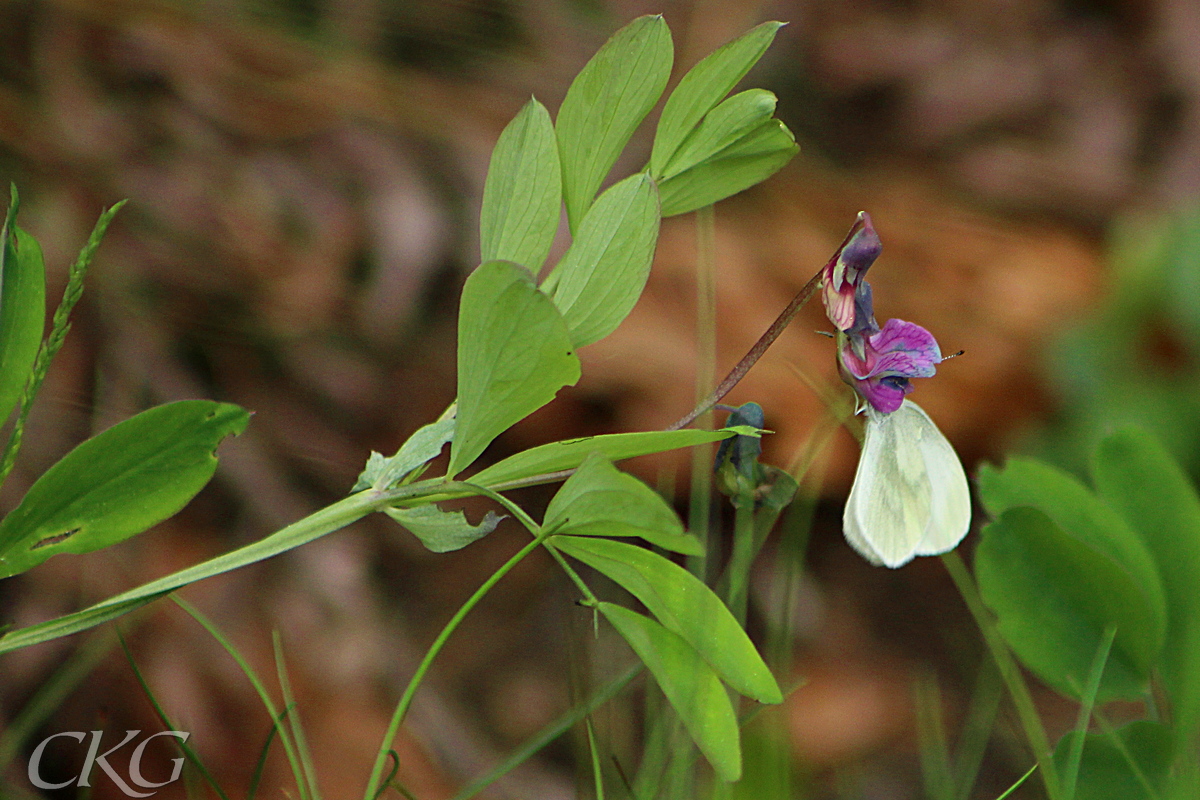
118	483
443	531
684	605
514	354
423	446
690	685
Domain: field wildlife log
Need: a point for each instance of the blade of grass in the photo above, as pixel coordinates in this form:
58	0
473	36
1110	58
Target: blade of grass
597	773
410	691
551	732
934	748
259	688
1017	785
261	764
51	694
1119	743
977	729
58	333
285	686
188	751
1009	671
1075	753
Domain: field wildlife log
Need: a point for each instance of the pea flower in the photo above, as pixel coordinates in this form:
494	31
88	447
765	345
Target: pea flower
909	496
843	275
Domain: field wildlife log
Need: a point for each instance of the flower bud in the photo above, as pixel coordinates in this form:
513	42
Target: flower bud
843	275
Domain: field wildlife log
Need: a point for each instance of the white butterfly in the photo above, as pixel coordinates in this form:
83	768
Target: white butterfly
910	495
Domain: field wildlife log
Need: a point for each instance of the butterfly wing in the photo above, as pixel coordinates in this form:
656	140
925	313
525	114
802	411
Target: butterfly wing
950	505
889	508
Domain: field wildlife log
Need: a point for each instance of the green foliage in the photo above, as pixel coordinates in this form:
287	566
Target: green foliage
1058	566
603	273
523	193
703	87
118	483
1135	475
22	308
685	606
689	683
443	531
514	354
420	448
750	160
570	453
516	350
1066	569
609	98
600	501
707	149
1130	762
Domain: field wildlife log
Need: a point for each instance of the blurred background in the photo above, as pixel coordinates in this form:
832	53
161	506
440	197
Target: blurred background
304	180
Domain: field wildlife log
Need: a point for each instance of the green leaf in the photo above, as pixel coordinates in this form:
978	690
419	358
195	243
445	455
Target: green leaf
118	483
522	196
750	160
22	311
423	446
604	271
1082	515
1135	475
570	453
726	124
514	354
1055	596
1131	762
605	104
703	87
443	531
598	500
689	684
684	605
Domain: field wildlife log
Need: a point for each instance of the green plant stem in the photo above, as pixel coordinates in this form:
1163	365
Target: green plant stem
1009	671
432	653
700	490
314	526
277	716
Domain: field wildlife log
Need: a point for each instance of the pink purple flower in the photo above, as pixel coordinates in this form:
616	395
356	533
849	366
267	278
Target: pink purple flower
843	275
879	365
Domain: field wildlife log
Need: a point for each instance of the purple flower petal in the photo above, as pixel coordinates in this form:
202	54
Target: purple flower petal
880	365
844	272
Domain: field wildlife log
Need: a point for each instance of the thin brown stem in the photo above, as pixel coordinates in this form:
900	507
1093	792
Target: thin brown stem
755	353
